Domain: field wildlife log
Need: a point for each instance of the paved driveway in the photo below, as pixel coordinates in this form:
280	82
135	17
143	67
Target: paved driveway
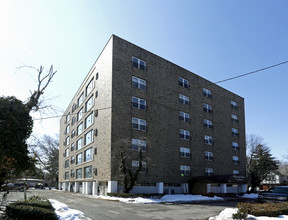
97	209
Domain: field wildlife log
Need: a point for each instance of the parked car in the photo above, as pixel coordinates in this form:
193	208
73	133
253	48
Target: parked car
274	194
39	186
14	186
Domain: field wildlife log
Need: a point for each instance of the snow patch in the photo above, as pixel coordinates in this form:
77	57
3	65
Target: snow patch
166	198
250	196
65	213
228	212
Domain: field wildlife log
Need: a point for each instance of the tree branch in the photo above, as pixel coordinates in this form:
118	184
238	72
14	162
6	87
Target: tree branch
34	100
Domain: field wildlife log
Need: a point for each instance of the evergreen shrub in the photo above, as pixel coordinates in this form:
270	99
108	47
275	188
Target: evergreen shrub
266	209
34	208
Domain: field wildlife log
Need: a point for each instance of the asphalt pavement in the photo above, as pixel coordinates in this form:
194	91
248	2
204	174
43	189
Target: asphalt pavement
98	209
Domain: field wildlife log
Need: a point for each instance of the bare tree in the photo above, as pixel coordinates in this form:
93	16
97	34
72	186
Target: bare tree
16	127
34	102
252	141
129	176
46	151
283	170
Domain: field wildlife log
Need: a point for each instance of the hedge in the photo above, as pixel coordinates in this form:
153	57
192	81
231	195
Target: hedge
34	208
266	209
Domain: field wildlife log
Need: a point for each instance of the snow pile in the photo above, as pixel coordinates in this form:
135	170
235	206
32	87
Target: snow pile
228	212
250	196
187	198
167	198
65	213
225	214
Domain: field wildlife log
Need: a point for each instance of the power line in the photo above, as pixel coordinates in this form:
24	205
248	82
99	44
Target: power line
214	83
245	74
58	116
218	82
55	116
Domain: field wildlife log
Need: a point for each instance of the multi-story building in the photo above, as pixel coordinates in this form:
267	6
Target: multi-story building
190	131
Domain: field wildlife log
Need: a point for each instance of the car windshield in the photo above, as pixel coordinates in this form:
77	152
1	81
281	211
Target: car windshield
280	190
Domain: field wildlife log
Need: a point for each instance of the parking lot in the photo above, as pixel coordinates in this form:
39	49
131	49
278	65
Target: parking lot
102	209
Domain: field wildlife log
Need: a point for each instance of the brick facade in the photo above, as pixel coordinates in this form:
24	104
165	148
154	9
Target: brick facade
113	111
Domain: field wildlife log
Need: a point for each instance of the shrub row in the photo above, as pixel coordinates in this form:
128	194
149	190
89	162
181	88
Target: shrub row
132	195
33	208
266	209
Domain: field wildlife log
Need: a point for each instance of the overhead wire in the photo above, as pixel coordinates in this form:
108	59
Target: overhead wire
249	73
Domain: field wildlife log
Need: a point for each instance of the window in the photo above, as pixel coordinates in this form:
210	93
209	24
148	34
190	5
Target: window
89	120
184	99
139	124
138	103
72	160
66	164
67	152
80	128
138	83
140	64
208	123
79	158
235	146
67	141
207	93
234	118
235	159
79	173
234	105
184	134
184	116
88	172
209	156
183	82
209	171
88	154
235	172
207	108
136	164
74	106
72	173
90	87
89	103
72	146
73	120
89	137
184	152
235	132
80	99
73	133
139	145
68	117
184	170
66	175
79	144
208	140
80	114
67	130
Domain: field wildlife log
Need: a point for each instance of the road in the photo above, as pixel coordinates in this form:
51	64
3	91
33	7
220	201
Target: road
98	209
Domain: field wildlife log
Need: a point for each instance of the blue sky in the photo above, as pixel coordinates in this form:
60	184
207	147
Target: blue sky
214	39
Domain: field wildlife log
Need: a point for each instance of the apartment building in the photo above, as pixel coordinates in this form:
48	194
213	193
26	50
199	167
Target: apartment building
190	131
